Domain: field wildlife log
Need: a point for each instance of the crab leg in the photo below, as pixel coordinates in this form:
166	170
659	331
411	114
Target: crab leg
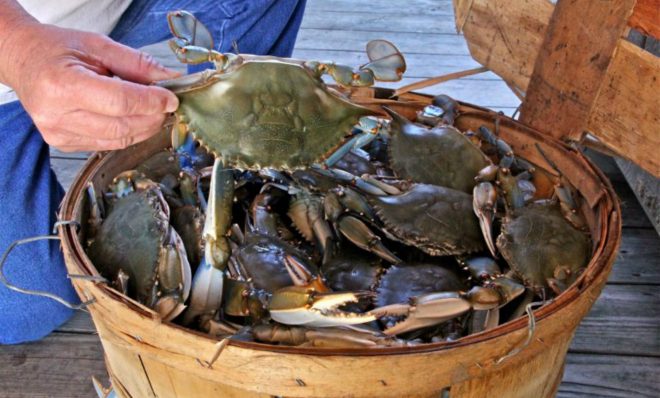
356	231
362	184
386	63
96	210
568	205
365	131
174	278
322	337
426	310
218	216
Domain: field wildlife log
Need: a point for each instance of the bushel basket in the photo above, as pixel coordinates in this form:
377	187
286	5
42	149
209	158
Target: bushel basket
146	357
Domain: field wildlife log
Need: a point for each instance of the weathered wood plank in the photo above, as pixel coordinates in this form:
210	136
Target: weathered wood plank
80	322
432	7
639	258
626	113
574	57
633	215
505	35
481	93
355	40
618	105
611	376
61	365
646	188
347	20
624	320
54	152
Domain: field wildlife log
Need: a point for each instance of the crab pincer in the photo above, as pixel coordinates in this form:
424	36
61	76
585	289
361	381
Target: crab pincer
208	281
309	302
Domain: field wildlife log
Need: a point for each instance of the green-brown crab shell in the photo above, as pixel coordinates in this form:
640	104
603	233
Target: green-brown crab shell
437	220
440	156
268	112
132	238
537	241
136	238
402	282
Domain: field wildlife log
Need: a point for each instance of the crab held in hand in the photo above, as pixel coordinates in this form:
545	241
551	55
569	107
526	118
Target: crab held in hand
263	111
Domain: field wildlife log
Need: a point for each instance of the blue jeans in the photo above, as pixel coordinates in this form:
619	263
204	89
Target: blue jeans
29	191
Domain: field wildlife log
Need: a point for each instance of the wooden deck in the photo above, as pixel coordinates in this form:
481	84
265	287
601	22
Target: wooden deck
616	350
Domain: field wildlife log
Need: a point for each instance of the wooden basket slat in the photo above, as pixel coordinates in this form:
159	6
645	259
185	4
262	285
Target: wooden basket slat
504	35
571	65
626	113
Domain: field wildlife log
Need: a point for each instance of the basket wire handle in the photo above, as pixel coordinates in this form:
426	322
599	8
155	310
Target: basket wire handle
40	293
531	328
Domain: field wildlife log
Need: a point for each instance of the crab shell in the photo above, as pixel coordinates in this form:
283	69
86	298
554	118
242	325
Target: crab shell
136	239
263	259
264	112
440	156
440	221
403	282
540	245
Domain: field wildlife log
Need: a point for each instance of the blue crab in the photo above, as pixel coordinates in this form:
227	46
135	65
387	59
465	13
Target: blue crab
263	111
543	241
136	245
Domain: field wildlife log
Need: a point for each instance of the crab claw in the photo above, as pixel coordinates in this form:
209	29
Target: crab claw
449	106
218	216
484	198
423	311
361	236
568	206
169	307
494	294
188	30
386	61
299	305
206	292
301	276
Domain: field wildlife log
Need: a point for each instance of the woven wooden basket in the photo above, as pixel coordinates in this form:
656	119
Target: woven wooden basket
146	357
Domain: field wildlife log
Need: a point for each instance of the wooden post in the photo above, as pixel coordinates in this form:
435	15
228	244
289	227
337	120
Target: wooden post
576	52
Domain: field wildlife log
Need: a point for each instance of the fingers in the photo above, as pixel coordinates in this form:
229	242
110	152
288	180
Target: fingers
128	63
115	97
86	131
112	128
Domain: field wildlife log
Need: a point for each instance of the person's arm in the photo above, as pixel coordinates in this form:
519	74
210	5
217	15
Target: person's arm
83	90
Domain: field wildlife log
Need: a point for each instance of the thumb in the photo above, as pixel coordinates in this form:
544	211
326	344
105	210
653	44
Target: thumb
129	63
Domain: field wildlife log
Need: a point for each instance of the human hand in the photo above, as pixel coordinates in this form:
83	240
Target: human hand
64	79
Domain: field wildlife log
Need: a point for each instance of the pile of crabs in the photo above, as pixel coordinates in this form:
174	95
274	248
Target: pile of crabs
285	214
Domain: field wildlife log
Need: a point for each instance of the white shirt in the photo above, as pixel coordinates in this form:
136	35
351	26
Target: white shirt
99	16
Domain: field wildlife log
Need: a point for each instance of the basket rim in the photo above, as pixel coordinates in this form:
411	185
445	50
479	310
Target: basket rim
603	256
